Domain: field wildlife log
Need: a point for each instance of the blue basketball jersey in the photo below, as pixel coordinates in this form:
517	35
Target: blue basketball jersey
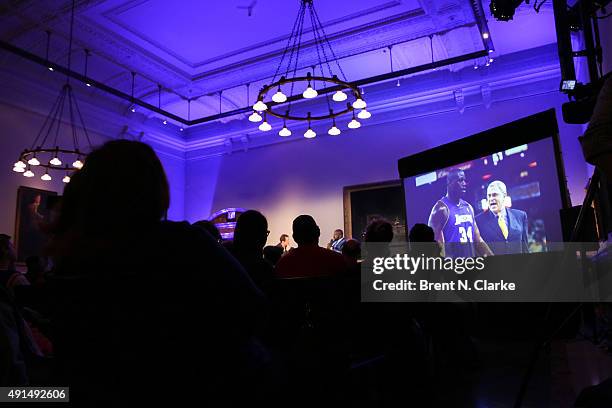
459	229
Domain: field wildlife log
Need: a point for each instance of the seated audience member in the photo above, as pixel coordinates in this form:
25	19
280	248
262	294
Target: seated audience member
423	241
35	270
250	237
309	259
337	241
284	243
379	232
352	250
9	277
145	307
272	254
210	228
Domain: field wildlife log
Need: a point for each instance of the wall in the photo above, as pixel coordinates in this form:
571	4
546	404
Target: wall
307	176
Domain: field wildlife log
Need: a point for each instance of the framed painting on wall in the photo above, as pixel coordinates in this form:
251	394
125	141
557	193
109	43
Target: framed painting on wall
365	202
34	212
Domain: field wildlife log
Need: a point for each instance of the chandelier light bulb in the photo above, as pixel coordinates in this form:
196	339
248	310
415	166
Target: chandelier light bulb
17	169
398	83
66	179
260	106
284	132
485	35
20	164
45	177
333	131
265	126
255	117
309	134
28	173
78	164
279	96
354	124
364	114
490	60
34	161
339	96
165	122
359	104
87	83
133	108
55	161
310	93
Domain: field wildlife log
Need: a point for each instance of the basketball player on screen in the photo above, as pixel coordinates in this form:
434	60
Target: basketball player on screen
453	221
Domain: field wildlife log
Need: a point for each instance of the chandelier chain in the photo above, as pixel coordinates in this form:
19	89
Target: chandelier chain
82	123
315	33
293	33
329	45
75	140
297	51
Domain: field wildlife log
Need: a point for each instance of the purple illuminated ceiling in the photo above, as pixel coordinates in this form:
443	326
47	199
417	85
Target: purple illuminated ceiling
199	47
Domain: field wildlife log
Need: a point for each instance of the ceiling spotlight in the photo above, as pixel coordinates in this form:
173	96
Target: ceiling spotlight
475	66
77	164
34	161
503	10
66	179
133	108
88	84
254	117
339	96
279	96
260	106
485	35
28	173
364	114
265	126
181	129
284	132
310	93
45	177
359	104
51	69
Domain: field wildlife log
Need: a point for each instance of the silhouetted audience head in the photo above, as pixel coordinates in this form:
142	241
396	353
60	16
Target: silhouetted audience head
379	230
121	188
35	269
251	231
7	252
209	227
272	254
421	233
352	249
305	230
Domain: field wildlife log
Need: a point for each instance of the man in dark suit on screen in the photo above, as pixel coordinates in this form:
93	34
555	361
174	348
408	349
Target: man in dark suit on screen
503	229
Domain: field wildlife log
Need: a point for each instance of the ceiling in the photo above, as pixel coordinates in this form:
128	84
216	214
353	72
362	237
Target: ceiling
195	48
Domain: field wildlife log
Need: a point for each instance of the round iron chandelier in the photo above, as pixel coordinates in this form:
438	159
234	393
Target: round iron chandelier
47	151
346	99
